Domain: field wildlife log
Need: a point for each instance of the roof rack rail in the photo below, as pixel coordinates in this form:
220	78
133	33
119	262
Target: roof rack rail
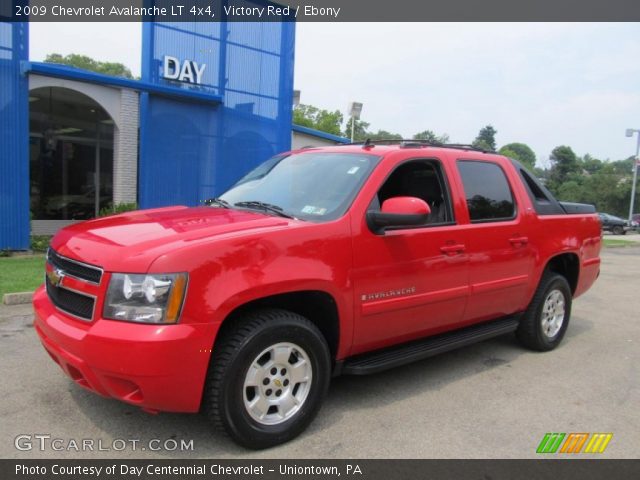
466	146
392	141
413	143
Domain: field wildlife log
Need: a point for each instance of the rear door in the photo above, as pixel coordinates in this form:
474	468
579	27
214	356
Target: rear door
500	256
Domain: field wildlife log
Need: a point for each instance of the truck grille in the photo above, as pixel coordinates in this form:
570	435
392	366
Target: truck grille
74	303
88	273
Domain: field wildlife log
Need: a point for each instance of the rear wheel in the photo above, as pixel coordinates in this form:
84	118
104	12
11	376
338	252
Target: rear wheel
618	230
545	322
267	379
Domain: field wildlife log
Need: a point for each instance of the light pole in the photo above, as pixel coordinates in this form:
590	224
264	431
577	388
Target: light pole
355	109
636	160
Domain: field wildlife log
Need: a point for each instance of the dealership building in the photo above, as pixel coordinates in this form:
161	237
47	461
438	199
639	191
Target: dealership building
214	100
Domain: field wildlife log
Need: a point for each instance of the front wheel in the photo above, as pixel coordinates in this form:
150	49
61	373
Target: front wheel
545	321
268	377
618	230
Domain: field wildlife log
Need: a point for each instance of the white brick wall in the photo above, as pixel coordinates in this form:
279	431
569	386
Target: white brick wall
301	140
125	149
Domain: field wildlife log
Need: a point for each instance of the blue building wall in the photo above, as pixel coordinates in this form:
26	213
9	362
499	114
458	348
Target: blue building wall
190	151
14	137
195	141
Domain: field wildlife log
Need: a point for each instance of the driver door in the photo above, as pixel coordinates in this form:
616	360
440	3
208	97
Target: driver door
410	282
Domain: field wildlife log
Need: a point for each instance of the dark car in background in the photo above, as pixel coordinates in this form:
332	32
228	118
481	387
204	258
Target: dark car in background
613	224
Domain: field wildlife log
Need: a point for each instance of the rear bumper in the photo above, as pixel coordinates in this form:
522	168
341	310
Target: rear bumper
158	367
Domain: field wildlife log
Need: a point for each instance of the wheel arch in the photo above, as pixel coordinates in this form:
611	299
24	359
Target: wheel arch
317	306
568	265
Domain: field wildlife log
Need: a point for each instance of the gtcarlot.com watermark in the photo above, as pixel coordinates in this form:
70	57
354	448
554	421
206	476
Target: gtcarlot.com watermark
42	442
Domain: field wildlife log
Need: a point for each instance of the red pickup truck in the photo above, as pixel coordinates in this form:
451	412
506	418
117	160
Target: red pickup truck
323	261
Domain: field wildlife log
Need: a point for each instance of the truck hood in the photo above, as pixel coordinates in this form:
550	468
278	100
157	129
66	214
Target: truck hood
131	241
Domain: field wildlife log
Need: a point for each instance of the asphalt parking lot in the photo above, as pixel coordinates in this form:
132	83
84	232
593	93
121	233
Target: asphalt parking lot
491	400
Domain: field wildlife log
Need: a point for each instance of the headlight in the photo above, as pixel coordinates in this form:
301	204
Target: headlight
145	298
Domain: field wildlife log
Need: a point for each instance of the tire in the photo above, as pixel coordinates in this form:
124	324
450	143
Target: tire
545	321
618	230
268	358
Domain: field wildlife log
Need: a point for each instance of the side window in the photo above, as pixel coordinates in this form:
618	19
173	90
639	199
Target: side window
423	179
487	191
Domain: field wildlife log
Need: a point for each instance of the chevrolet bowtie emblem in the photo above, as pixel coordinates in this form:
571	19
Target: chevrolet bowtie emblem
277	382
55	277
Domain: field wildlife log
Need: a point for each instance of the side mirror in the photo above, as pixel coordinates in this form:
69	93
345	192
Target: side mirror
398	212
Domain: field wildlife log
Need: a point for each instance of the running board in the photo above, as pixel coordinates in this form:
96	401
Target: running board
380	360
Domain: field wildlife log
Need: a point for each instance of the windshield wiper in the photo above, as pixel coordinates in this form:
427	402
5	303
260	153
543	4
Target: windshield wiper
266	207
218	202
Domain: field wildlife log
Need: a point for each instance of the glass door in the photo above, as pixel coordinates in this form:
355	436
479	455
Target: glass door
71	155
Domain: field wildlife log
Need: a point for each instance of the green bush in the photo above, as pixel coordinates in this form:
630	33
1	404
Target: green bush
40	243
118	208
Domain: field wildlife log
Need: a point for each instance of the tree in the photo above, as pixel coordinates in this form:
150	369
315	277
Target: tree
564	166
383	135
360	130
623	167
430	136
571	191
313	117
486	138
520	152
607	185
591	165
87	63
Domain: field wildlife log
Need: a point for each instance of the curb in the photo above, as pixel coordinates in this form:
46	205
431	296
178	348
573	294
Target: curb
17	298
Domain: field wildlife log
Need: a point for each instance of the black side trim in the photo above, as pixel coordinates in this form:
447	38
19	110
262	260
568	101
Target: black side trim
577	208
378	361
543	200
378	222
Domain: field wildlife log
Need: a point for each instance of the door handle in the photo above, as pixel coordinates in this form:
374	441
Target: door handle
517	241
452	249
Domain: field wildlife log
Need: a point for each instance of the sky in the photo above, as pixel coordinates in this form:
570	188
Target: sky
543	84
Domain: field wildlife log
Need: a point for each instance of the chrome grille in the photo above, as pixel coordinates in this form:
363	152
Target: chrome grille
73	303
73	268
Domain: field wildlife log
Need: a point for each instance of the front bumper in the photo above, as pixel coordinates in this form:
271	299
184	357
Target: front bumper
156	367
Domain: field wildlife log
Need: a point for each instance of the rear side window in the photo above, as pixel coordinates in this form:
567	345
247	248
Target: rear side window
487	191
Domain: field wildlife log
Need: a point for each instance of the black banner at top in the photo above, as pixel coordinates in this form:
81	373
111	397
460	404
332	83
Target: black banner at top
320	10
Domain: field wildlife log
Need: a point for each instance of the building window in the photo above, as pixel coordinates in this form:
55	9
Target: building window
71	155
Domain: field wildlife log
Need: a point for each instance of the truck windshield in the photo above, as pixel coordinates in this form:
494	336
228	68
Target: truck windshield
313	186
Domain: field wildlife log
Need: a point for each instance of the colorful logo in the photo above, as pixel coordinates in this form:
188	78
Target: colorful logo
573	442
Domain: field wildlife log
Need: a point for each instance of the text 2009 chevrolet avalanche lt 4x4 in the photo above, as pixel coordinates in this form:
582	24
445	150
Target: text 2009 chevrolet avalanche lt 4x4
347	259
